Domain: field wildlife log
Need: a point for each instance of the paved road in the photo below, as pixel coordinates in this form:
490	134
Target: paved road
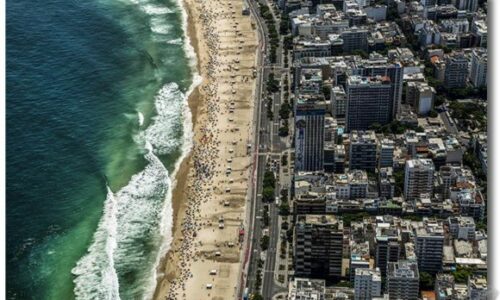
248	275
269	147
269	288
261	142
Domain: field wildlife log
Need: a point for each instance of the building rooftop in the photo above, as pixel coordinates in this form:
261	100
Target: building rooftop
429	228
321	220
403	269
368	80
305	288
420	163
478	282
374	273
463	248
362	137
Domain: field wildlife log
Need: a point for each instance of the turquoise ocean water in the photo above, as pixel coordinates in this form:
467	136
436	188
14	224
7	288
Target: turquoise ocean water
97	120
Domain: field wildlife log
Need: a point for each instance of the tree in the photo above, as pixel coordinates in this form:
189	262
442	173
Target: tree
284	195
433	114
284	160
414	217
426	281
284	209
268	194
462	274
347	218
265	216
284	225
289	235
269	180
284	24
288	42
375	127
344	283
272	84
439	100
270	113
399	180
257	296
258	279
264	242
482	225
326	91
269	106
260	263
471	161
361	53
283	131
438	85
285	110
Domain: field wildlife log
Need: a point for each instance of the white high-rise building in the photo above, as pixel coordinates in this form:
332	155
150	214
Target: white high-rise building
367	284
457	70
421	96
479	67
418	178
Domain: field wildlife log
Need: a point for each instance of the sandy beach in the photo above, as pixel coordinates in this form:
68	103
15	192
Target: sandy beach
212	183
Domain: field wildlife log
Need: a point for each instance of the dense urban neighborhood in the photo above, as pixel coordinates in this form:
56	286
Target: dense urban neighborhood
371	178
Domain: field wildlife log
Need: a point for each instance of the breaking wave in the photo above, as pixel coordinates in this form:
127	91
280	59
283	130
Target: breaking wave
137	220
135	230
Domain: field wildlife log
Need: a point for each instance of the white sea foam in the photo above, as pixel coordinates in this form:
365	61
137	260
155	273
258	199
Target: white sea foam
167	220
95	273
164	133
177	41
159	25
140	117
188	47
167	212
139	214
153	9
143	208
135	213
161	28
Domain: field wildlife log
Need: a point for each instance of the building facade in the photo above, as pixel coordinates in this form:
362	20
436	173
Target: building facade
309	137
355	39
369	102
386	156
403	280
367	284
363	151
418	178
479	67
457	70
319	246
429	242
